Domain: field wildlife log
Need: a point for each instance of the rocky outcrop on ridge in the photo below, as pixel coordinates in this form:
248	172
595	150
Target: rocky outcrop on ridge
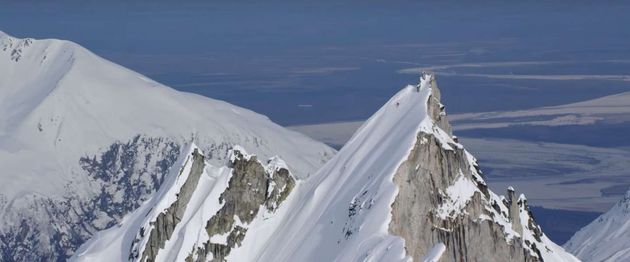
443	199
254	190
250	189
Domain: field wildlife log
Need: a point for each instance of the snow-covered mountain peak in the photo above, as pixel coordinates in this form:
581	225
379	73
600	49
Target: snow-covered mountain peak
60	95
35	53
402	188
607	237
14	46
86	141
86	144
416	108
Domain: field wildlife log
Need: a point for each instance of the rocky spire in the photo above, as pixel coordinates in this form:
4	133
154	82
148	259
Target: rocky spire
436	110
442	199
514	211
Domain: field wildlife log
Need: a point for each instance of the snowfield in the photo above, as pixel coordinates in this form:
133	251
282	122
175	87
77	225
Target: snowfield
344	211
84	141
90	149
606	238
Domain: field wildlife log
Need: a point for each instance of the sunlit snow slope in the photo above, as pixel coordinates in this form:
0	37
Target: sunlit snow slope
401	189
607	238
202	212
84	141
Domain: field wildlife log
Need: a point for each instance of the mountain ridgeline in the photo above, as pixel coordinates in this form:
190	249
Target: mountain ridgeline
84	142
103	164
402	188
606	238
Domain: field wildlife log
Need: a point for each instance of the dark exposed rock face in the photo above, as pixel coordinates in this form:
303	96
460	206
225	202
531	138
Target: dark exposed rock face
414	214
137	168
251	188
167	220
121	177
514	211
469	232
124	175
435	108
16	47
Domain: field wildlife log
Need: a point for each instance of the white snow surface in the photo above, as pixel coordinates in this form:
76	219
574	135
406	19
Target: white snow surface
360	175
360	178
457	196
114	243
607	238
60	102
311	224
342	212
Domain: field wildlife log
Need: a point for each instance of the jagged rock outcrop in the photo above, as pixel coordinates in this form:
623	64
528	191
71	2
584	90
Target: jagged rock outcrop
124	174
423	180
166	221
515	210
402	188
443	199
436	110
205	211
85	142
251	188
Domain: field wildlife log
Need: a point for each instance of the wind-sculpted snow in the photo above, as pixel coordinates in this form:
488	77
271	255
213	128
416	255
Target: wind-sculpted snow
607	238
401	189
83	142
203	212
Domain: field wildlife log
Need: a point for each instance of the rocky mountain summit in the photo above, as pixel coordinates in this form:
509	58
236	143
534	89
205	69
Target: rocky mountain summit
401	189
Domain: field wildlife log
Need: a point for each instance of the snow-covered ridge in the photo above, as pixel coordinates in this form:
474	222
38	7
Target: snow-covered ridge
14	46
176	223
401	189
351	209
294	223
78	132
607	238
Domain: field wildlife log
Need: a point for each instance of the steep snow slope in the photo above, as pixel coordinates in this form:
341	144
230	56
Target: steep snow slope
607	238
84	141
399	189
402	188
206	195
